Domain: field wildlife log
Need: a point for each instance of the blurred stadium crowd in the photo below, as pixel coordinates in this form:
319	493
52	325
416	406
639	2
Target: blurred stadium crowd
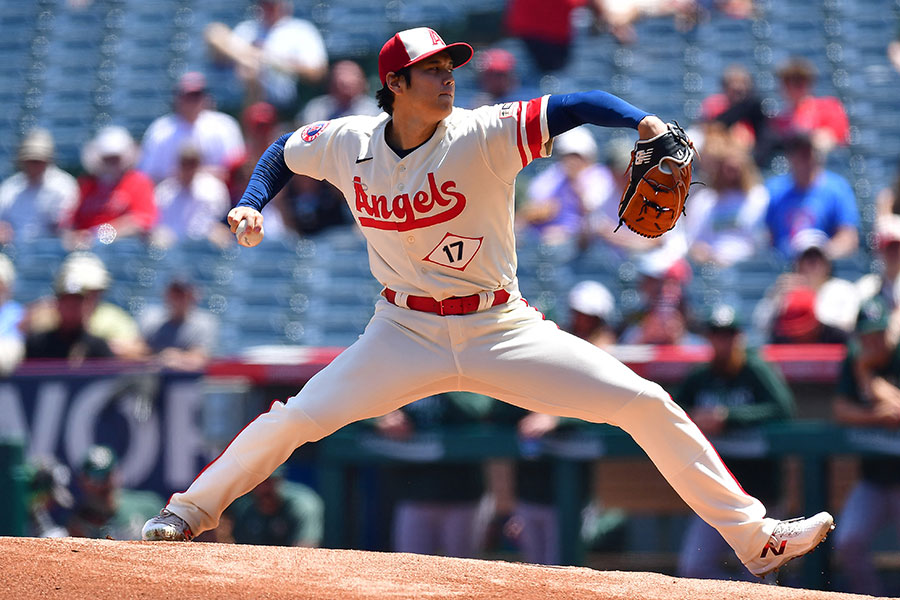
128	129
160	110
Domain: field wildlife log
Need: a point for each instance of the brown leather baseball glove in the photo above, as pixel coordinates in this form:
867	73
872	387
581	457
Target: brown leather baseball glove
659	182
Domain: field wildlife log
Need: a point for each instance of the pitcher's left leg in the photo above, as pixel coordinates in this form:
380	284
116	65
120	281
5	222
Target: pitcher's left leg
530	362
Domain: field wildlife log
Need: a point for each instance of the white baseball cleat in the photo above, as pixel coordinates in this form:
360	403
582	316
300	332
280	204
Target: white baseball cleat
166	527
791	538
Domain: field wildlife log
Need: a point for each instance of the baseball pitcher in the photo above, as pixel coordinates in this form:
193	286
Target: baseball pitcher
432	189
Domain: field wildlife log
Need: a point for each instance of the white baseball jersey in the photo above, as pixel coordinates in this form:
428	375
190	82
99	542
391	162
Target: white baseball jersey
439	222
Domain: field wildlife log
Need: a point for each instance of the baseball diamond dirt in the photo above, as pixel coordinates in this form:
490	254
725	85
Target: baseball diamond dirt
69	568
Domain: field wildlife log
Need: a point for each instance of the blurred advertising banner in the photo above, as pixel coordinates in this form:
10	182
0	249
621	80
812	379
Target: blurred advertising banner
164	427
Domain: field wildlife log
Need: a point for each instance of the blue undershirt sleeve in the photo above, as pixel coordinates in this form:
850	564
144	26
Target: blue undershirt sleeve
270	175
567	111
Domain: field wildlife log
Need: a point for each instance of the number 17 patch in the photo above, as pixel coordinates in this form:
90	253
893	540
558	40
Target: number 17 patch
455	251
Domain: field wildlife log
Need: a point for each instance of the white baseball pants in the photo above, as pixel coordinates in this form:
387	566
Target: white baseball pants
508	352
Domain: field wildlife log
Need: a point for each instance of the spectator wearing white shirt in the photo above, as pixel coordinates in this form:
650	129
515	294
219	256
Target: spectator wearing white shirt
217	135
36	199
180	335
271	53
562	197
192	204
725	223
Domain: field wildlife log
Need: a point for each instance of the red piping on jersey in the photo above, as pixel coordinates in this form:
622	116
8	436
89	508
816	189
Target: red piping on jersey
543	316
519	136
533	127
716	452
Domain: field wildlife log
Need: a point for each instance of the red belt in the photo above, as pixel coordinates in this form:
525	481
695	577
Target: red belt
458	305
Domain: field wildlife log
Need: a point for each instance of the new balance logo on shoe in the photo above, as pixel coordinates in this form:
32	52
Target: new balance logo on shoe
804	535
776	551
642	156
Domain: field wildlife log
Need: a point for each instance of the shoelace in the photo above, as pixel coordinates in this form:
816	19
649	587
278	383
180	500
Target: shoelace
789	528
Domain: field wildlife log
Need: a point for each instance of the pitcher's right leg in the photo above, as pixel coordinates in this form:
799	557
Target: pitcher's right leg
384	370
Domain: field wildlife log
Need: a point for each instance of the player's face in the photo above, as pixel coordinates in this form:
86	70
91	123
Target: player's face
431	86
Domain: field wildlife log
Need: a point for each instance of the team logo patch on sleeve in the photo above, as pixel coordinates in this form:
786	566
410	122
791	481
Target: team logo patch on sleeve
312	131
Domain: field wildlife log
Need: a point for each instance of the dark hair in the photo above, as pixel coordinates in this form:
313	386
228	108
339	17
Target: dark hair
797	68
385	96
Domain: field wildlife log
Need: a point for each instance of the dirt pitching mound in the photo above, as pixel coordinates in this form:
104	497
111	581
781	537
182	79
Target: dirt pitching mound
105	570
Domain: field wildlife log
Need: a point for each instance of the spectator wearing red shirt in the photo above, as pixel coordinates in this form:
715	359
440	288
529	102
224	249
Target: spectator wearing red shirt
822	116
545	28
115	200
738	108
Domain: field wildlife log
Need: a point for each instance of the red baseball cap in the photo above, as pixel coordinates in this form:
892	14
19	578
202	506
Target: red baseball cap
412	45
797	315
191	82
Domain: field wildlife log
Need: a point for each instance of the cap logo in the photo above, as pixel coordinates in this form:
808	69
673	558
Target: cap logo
435	38
312	131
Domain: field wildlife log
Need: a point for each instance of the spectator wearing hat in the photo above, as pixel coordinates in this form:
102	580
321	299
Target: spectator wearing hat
180	335
348	94
85	274
37	199
822	118
885	283
592	313
115	200
216	135
867	396
808	304
192	203
259	125
562	197
498	81
664	315
271	53
796	322
103	508
278	512
737	112
725	224
69	339
811	197
734	391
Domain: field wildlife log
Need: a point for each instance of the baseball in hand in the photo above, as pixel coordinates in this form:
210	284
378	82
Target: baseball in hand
247	238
